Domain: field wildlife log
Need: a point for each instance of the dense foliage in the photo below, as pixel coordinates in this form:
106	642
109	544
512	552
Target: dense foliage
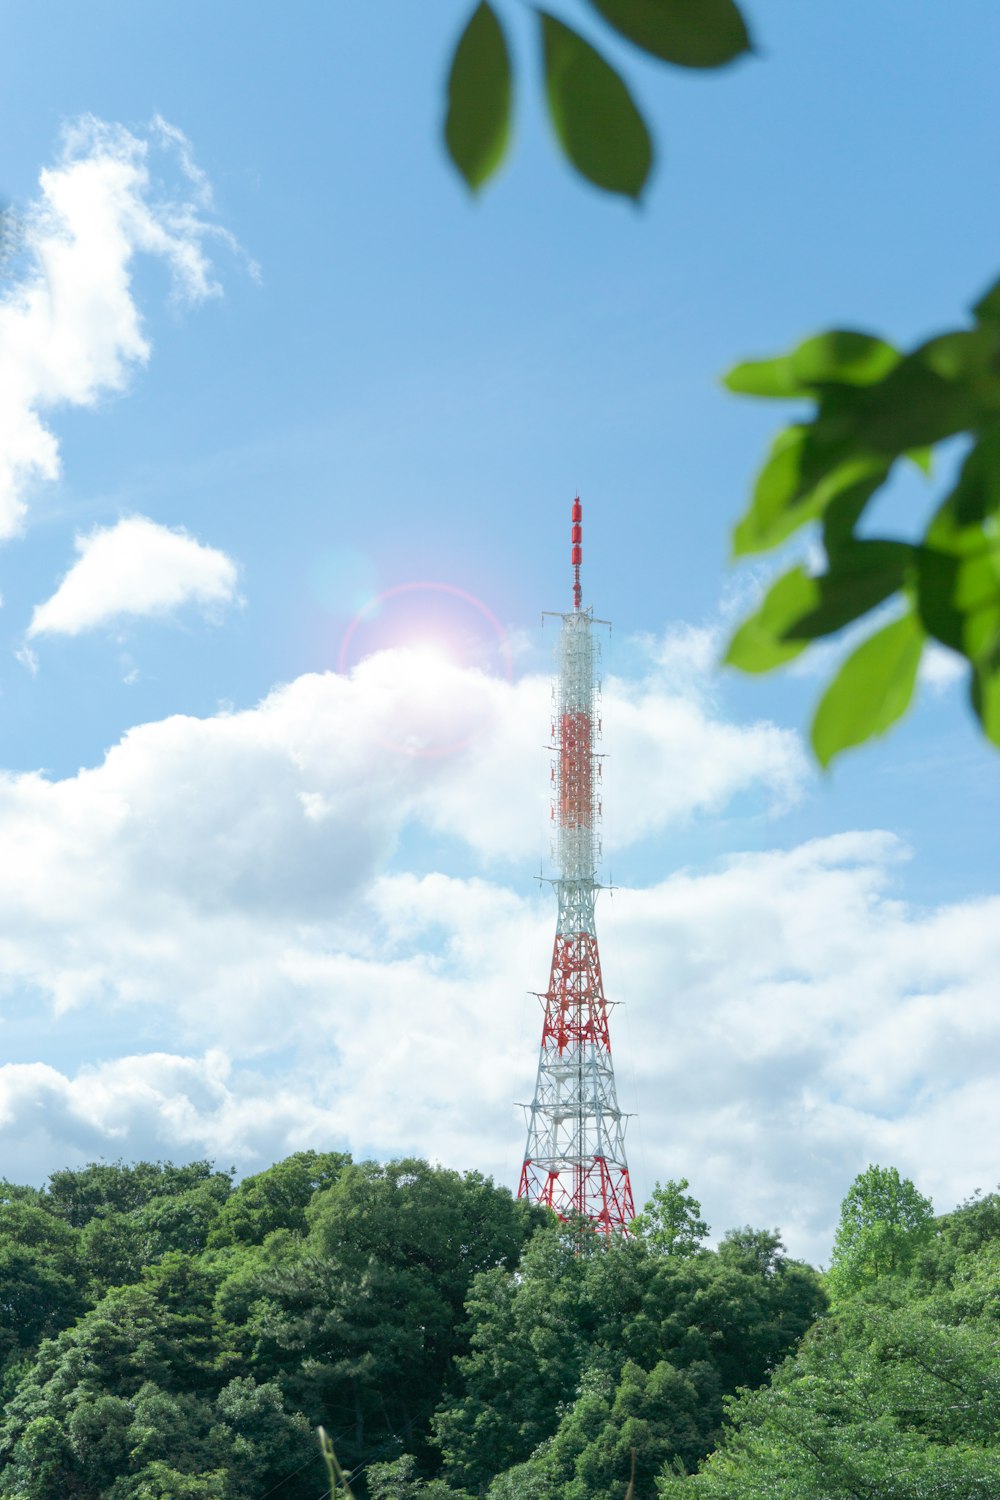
591	1349
896	1393
168	1334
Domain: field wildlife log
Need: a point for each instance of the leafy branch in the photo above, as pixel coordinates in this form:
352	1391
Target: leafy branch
596	121
873	407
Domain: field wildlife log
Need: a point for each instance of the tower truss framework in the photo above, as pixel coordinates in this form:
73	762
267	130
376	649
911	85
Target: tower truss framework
574	1160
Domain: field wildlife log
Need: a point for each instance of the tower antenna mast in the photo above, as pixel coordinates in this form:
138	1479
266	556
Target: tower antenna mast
574	1160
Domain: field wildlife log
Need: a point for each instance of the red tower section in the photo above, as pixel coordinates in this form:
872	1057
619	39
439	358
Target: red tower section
574	1161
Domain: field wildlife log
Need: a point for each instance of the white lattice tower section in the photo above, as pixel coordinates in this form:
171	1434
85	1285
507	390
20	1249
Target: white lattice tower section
574	1160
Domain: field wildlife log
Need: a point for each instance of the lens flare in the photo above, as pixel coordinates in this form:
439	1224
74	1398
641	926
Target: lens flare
440	626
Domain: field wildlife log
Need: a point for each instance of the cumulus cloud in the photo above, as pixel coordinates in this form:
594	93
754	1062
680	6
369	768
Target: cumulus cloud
70	329
672	756
787	1021
142	1106
794	1019
133	568
242	901
138	873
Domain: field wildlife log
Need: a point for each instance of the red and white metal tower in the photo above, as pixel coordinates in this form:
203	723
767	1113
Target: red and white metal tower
574	1161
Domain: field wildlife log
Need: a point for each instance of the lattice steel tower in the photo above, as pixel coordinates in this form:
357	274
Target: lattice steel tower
574	1161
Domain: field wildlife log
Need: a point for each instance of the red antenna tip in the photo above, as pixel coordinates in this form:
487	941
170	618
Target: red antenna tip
576	552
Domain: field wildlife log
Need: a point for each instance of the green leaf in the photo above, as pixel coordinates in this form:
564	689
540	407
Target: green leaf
871	690
840	357
987	309
915	408
761	642
859	578
985	694
593	114
958	567
923	458
844	512
801	477
477	126
692	33
941	389
968	355
779	481
976	496
958	597
764	377
799	607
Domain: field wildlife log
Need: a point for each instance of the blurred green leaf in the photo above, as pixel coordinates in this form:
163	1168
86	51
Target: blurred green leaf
841	356
985	694
778	483
958	597
692	33
874	406
800	478
800	607
761	642
871	690
764	377
976	496
987	309
477	126
844	511
969	355
923	458
958	573
859	578
593	114
913	408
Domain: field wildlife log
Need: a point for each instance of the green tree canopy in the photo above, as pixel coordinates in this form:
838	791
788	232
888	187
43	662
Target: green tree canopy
888	1399
671	1221
41	1280
884	1223
573	1316
80	1194
276	1199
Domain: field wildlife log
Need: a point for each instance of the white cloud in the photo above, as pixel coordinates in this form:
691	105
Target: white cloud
940	668
70	330
139	1106
794	1020
776	1051
671	756
221	896
135	567
178	142
137	875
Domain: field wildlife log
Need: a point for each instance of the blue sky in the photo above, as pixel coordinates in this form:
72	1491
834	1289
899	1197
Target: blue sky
318	372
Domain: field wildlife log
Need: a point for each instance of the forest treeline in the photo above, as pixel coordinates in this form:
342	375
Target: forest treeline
168	1334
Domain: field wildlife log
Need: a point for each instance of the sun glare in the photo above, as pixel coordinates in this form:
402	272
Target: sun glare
430	653
432	625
